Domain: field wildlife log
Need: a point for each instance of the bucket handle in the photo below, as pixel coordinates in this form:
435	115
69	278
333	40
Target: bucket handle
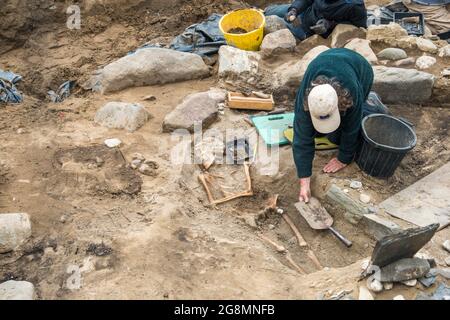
405	121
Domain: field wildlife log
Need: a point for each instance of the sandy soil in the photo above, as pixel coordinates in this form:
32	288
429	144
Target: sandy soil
129	236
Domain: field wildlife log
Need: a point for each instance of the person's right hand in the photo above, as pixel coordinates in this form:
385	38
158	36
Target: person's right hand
305	190
291	15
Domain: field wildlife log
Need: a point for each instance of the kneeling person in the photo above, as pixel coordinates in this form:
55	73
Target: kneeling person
332	100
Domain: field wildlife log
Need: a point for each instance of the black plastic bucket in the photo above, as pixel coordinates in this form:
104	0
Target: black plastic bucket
386	141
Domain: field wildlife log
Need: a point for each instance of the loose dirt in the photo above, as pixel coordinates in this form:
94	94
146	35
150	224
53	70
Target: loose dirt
102	230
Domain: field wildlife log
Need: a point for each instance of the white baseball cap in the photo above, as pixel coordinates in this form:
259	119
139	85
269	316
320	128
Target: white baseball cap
323	107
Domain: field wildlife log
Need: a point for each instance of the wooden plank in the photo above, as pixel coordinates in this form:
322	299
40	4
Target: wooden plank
238	101
425	202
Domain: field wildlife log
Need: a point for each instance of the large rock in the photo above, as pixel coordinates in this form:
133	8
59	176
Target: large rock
397	85
362	46
342	33
278	42
238	64
289	75
15	228
121	115
197	108
426	45
273	24
149	67
385	32
16	290
392	54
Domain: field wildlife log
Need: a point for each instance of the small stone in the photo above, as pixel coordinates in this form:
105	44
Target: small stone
364	294
372	209
446	245
99	161
364	198
392	54
20	131
149	98
17	290
63	218
271	227
426	45
425	62
346	190
444	51
112	143
405	62
135	164
399	297
355	184
374	285
137	156
149	168
388	285
410	283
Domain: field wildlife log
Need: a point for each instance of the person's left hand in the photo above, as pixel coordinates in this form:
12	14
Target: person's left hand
334	166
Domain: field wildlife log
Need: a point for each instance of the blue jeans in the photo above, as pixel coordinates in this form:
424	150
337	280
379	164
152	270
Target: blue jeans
280	10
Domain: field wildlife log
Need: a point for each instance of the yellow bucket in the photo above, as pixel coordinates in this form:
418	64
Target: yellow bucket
251	21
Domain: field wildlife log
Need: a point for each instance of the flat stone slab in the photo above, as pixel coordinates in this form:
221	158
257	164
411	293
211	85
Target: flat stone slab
149	66
17	290
198	108
425	202
121	115
399	86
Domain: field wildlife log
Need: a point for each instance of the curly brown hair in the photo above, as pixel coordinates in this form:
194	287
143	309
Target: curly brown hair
344	96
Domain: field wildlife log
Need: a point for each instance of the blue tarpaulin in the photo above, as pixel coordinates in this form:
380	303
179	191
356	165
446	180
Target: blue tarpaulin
62	93
8	90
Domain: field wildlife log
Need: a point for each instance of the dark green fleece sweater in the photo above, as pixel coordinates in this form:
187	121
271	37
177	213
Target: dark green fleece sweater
356	75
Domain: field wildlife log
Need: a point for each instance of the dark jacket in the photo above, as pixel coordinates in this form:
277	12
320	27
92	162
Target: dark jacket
356	75
338	11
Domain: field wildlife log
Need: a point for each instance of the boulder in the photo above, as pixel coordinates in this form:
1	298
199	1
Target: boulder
17	290
392	54
342	33
197	108
425	62
278	42
149	66
426	45
397	85
444	52
121	115
289	75
385	32
362	46
238	64
273	24
15	228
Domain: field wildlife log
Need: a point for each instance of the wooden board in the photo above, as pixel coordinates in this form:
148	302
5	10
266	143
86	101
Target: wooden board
239	101
425	202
